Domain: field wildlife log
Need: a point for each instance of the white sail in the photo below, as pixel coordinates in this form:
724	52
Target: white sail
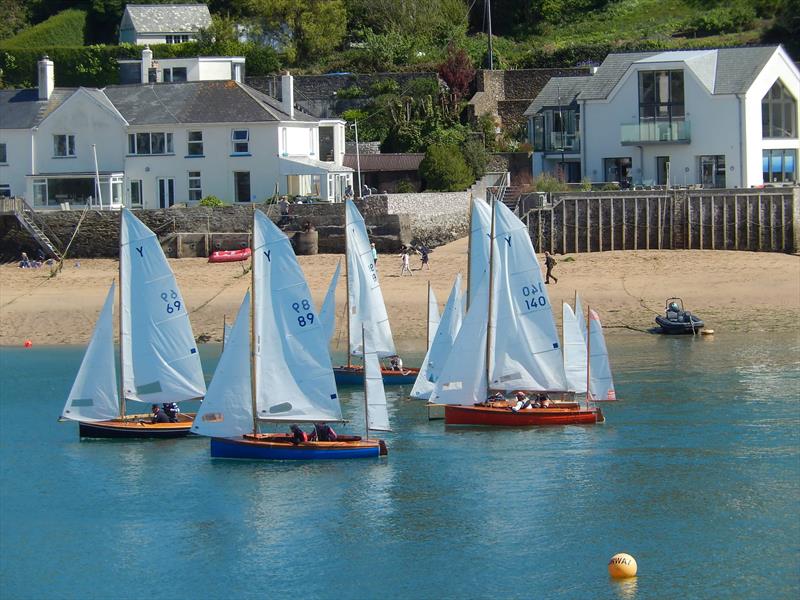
433	316
443	342
227	408
526	352
93	396
160	362
462	379
363	288
226	333
601	383
581	320
327	313
480	232
294	378
377	414
574	351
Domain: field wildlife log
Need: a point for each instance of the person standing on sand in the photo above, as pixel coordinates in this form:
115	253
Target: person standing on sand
374	254
549	262
406	265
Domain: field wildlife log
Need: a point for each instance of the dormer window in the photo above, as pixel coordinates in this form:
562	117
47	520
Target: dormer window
778	113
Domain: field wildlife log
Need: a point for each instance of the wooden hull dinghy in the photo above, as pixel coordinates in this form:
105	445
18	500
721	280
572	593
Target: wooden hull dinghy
504	417
137	427
279	446
354	375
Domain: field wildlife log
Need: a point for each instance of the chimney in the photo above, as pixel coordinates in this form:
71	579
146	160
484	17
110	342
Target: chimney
147	63
47	78
287	94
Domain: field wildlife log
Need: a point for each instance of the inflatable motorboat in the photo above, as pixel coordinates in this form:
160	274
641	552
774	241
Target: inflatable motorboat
223	256
676	320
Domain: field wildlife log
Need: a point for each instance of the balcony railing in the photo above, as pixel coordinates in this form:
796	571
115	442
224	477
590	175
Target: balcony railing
655	132
556	141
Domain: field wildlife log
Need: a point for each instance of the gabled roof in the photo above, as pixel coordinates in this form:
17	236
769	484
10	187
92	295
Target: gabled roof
559	91
196	102
22	109
384	162
167	18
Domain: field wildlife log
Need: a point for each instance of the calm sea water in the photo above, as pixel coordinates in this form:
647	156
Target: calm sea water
696	473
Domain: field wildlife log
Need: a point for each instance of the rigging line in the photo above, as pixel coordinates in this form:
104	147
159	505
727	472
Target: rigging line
639	300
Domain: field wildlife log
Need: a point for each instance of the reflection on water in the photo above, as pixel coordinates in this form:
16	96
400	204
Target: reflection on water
694	473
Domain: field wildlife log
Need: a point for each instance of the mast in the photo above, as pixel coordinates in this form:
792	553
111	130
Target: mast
347	281
366	399
122	406
588	351
491	293
469	249
428	327
223	332
253	332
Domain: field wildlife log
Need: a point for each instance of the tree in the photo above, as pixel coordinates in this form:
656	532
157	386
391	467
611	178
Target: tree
13	17
444	169
475	156
458	73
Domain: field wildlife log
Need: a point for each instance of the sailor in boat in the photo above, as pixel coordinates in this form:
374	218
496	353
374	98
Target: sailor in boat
159	416
298	435
323	433
543	401
171	409
524	402
396	364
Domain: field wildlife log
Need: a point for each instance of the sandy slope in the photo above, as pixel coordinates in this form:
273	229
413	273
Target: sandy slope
731	290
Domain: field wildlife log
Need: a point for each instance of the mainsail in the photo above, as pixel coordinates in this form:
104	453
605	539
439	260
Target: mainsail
601	382
377	414
327	313
364	295
93	396
227	409
160	362
574	351
479	236
525	353
433	315
294	378
442	343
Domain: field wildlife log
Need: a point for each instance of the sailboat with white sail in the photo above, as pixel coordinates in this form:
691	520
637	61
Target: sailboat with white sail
586	359
511	318
276	367
365	307
158	354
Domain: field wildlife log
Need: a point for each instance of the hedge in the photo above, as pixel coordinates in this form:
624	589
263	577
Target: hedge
96	66
67	28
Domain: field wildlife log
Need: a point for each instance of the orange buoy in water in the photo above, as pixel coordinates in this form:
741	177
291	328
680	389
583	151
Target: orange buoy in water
622	565
27	344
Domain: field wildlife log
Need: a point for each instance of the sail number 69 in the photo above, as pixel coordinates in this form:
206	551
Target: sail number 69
171	306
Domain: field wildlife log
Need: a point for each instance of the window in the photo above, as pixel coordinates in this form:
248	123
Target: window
174	75
712	171
150	143
195	187
778	113
618	169
241	141
3	155
662	170
63	145
136	192
780	166
195	145
177	39
241	184
5	190
152	75
661	96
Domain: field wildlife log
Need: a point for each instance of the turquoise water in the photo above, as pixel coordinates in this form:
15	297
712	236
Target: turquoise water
696	473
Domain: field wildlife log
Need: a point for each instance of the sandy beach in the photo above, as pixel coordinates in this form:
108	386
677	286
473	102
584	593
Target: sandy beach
742	291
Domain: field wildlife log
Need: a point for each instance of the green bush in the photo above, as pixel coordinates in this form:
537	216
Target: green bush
352	91
404	186
67	28
611	186
547	183
586	185
444	169
90	66
727	19
211	201
476	157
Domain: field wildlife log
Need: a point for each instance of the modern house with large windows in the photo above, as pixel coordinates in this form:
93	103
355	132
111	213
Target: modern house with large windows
716	118
156	145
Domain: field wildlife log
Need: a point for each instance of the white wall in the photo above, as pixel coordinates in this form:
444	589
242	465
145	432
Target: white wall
300	140
18	159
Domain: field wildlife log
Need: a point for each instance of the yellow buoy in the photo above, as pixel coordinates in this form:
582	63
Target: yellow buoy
707	331
622	565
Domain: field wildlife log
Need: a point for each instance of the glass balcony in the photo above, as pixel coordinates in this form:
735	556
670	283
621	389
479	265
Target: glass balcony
655	132
557	142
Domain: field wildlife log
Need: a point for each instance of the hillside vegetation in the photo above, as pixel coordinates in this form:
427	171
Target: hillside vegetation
66	28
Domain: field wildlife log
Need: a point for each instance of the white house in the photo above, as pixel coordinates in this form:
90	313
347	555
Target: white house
162	23
177	70
717	118
161	144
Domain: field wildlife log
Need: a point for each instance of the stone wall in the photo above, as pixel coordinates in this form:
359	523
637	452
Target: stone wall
391	220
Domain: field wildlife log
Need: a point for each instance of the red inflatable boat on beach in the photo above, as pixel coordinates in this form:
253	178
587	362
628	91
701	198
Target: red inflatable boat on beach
223	256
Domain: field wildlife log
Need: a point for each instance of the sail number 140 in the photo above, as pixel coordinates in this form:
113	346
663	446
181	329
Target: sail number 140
303	319
533	297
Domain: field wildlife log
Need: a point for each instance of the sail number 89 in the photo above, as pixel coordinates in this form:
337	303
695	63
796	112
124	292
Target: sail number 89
306	319
173	303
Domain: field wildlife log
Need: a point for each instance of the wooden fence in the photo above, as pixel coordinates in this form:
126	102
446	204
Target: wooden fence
757	220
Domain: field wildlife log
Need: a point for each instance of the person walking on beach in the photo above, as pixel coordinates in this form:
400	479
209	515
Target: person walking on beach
549	262
374	254
423	256
406	264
